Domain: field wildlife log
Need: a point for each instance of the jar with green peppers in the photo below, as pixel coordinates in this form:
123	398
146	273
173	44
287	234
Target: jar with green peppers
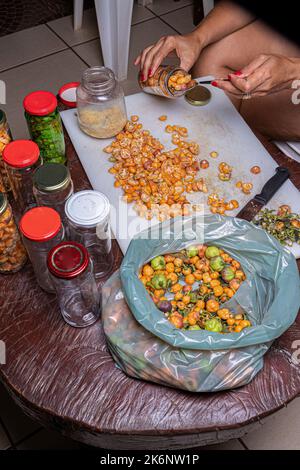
45	126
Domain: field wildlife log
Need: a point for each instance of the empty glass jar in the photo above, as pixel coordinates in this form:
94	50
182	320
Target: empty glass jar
73	278
41	229
100	103
88	214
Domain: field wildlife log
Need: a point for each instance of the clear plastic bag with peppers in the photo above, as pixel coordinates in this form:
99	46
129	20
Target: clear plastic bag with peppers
210	354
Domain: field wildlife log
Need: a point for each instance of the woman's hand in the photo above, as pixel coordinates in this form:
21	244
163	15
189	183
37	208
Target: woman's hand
187	48
264	75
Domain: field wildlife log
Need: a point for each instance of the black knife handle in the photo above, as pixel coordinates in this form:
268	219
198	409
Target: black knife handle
272	186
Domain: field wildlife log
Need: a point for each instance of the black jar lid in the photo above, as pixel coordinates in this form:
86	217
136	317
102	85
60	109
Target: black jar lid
51	177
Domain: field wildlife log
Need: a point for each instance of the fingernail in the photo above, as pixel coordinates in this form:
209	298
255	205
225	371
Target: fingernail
143	78
214	84
238	73
229	76
150	73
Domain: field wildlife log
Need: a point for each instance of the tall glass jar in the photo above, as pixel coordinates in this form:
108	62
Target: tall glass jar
41	229
168	81
73	278
12	252
52	187
88	214
100	103
22	158
45	126
5	138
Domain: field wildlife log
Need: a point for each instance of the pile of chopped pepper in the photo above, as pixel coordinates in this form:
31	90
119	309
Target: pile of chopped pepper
283	224
190	286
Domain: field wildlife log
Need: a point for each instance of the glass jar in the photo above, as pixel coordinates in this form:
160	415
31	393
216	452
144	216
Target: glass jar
5	138
45	126
168	81
88	214
52	186
73	278
100	103
12	252
22	158
41	229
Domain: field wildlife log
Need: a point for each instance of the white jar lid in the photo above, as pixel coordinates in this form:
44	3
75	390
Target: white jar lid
87	208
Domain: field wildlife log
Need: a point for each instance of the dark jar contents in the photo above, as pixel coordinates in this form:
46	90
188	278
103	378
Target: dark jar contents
22	158
73	278
45	126
168	81
5	138
52	186
41	230
12	252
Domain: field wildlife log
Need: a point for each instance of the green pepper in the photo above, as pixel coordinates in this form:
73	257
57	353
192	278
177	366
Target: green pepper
227	274
214	324
158	263
217	263
193	297
194	327
212	252
159	281
192	251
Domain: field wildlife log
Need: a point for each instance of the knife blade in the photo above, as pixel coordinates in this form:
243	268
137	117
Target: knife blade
260	200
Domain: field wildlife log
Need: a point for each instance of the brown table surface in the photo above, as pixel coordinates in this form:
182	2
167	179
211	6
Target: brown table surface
65	378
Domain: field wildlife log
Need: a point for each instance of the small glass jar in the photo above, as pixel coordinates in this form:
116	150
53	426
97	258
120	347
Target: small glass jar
12	252
88	214
41	229
168	81
22	158
73	278
100	103
45	126
52	187
5	138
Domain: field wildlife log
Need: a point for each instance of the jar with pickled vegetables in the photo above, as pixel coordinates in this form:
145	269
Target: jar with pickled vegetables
100	103
12	252
168	81
45	126
5	138
22	158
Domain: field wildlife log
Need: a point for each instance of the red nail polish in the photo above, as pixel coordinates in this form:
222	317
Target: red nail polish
150	73
214	84
143	78
238	73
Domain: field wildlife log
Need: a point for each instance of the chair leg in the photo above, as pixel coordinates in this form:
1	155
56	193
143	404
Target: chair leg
114	23
78	14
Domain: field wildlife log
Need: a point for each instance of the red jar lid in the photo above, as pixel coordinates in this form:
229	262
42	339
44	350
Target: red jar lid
67	94
21	153
67	260
40	103
40	224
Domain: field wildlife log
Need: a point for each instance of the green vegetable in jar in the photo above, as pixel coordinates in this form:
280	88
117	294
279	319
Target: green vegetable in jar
192	251
227	274
214	324
217	263
158	263
159	281
194	327
212	252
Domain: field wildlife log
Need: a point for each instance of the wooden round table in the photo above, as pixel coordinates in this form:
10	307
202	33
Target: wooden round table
65	378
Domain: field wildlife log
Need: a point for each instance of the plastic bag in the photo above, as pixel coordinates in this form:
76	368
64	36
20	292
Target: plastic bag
142	355
269	297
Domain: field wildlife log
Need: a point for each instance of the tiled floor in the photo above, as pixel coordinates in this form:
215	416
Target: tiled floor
47	56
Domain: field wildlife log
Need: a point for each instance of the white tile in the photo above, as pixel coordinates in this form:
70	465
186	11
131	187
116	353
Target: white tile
29	44
181	20
48	73
280	431
48	440
142	35
160	7
64	26
4	442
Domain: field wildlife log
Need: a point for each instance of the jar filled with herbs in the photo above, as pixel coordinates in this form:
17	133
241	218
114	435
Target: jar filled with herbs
5	138
45	126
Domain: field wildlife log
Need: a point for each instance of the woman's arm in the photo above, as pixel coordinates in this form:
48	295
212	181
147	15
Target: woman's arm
223	20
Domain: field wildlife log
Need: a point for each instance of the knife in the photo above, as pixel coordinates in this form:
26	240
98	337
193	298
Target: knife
260	200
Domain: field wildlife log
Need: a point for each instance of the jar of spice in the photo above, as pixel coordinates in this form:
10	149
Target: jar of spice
5	138
45	126
41	229
168	81
52	186
22	158
88	214
12	252
75	285
100	103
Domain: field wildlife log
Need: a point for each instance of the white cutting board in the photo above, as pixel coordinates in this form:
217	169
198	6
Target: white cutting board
216	126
